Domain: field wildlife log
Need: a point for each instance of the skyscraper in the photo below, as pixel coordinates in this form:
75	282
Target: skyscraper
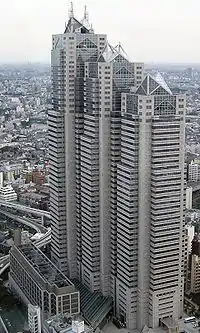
116	145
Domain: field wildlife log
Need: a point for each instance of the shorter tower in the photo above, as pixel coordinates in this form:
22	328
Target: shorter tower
150	206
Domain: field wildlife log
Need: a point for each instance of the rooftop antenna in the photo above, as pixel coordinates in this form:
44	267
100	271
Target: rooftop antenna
91	28
71	11
86	16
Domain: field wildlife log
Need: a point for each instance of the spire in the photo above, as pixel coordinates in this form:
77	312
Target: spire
86	16
91	28
71	11
85	20
120	50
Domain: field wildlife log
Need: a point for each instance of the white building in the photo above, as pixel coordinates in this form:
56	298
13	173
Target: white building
64	324
1	179
116	177
34	319
25	237
188	198
194	171
189	229
78	326
189	235
7	193
195	274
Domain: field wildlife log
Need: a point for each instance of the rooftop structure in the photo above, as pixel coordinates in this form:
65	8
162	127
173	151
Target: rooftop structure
65	324
50	274
39	282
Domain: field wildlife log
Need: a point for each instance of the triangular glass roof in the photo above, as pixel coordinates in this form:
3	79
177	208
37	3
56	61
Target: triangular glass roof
74	25
108	52
86	43
123	70
153	86
116	53
120	51
119	58
158	77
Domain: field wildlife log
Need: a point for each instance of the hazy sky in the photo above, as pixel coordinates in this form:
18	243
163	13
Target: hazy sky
149	30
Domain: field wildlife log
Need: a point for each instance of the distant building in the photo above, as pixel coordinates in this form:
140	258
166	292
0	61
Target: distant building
17	236
7	194
37	281
196	245
63	324
189	236
188	204
190	73
193	268
38	178
194	171
195	274
34	319
189	233
25	237
1	179
35	200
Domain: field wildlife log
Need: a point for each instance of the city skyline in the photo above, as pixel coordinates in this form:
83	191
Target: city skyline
161	32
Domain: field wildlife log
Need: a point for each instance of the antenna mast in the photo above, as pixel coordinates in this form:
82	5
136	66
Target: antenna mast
71	11
86	15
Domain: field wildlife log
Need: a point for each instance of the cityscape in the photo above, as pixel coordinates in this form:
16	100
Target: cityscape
99	190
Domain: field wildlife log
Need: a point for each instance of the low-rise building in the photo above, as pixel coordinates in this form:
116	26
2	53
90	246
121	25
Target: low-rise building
34	319
192	277
195	274
36	280
7	194
35	200
188	204
65	324
194	171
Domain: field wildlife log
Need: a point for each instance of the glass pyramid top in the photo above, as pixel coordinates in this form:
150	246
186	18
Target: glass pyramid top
153	85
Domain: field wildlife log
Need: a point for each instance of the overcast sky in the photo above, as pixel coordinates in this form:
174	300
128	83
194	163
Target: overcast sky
149	30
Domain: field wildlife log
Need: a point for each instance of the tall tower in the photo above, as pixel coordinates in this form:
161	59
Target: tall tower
150	205
116	146
88	76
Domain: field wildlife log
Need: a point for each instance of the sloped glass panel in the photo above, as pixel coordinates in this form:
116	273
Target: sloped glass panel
145	85
160	91
123	71
119	58
152	85
101	59
86	44
141	91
